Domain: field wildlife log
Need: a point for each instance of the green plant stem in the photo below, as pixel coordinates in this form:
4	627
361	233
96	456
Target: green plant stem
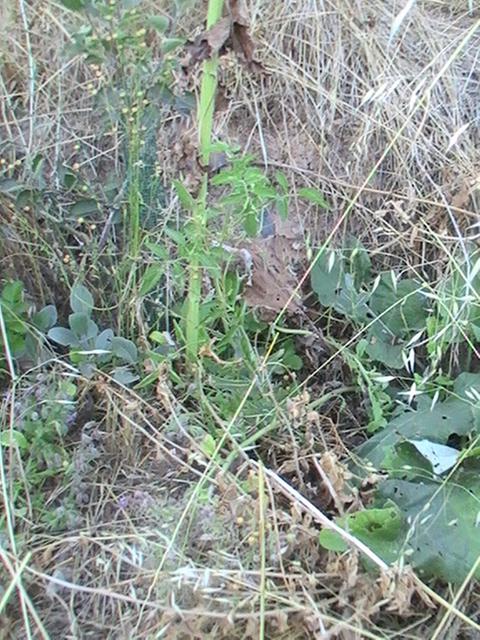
199	215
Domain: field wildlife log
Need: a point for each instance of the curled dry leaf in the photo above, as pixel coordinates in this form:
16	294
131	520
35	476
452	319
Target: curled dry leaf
229	33
277	261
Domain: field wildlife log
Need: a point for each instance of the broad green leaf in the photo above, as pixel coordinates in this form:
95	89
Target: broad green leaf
159	23
12	293
124	376
73	5
313	195
327	277
381	347
452	417
404	461
379	529
170	44
84	207
124	349
81	300
152	276
82	326
12	436
104	340
64	337
402	308
442	539
45	318
208	445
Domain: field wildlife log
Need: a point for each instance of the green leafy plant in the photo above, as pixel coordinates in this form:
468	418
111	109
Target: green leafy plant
88	345
426	507
46	409
24	327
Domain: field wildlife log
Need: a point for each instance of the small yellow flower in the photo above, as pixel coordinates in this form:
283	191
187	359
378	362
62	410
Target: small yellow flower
76	147
76	166
141	32
84	188
90	86
125	110
3	161
240	520
66	258
18	163
80	220
26	209
92	227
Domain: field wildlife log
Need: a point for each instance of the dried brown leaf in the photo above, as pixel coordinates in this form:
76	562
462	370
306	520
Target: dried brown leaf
230	32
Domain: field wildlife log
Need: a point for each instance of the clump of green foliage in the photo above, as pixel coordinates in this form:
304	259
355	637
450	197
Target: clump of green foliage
425	510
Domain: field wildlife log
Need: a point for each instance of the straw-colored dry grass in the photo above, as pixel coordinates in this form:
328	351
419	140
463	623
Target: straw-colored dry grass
164	543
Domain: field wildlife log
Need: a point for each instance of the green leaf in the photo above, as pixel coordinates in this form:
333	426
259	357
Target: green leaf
313	195
184	196
327	277
442	538
452	417
12	436
158	250
208	445
404	461
82	326
381	348
64	337
170	44
73	5
152	276
175	235
9	185
402	308
81	300
12	293
159	23
379	529
45	318
104	340
84	207
282	181
250	224
124	349
124	376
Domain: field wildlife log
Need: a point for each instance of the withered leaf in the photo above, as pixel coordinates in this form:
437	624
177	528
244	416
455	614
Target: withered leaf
231	32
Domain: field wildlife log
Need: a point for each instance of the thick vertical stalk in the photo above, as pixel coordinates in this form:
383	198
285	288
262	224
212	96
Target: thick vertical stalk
205	121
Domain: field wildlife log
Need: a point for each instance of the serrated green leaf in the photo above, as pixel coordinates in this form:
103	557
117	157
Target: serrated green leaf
313	195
